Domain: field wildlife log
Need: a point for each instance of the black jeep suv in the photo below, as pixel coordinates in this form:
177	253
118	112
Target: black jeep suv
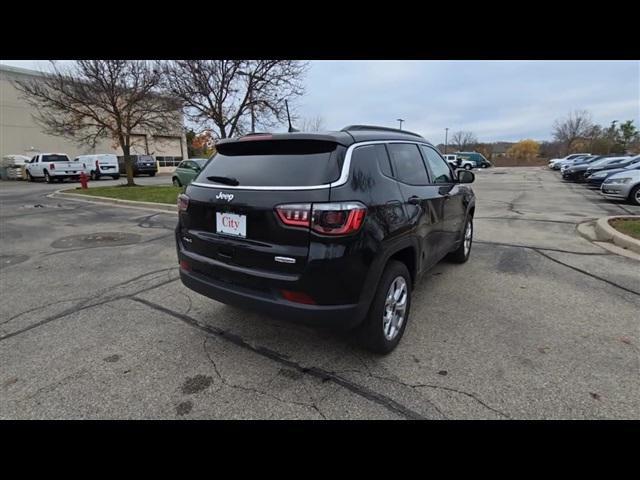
328	229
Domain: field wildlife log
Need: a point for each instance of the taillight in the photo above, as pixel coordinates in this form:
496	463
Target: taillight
97	165
327	218
338	218
295	215
52	166
183	202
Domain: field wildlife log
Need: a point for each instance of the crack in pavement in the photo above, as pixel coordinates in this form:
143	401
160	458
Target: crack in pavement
87	303
226	383
501	244
316	372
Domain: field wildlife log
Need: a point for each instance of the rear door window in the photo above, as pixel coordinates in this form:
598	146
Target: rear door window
271	163
407	163
55	158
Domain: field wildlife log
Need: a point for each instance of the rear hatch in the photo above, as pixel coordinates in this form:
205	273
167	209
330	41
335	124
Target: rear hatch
146	162
58	164
107	163
231	215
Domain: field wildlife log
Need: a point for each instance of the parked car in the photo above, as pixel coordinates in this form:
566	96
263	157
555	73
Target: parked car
144	164
619	162
452	159
576	173
596	179
14	166
53	167
187	171
554	161
329	229
477	159
101	164
564	164
623	186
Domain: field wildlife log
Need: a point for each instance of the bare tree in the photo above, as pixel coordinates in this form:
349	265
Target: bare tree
231	96
102	99
463	140
312	124
577	126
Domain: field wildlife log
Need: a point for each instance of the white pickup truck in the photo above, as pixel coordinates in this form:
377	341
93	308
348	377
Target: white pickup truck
54	166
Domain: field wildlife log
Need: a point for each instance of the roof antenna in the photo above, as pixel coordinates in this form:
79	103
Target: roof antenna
291	129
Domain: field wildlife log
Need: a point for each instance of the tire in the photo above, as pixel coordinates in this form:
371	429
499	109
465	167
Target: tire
467	167
29	177
176	182
94	175
152	174
47	177
634	195
116	177
375	333
461	254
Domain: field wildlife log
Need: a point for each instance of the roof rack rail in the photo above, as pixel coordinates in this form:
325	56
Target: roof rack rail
383	129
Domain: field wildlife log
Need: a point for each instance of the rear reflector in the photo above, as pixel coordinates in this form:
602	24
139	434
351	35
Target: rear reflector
185	266
297	297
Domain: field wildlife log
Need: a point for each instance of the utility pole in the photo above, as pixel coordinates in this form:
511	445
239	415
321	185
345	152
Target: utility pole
400	120
446	137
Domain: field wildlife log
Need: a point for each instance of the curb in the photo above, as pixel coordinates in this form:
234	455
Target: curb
116	201
607	233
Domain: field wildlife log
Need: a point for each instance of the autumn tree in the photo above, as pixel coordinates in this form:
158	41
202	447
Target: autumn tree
102	99
463	140
524	150
576	126
233	97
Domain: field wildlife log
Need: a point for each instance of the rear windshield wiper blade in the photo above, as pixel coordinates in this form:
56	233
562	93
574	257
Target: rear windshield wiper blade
224	180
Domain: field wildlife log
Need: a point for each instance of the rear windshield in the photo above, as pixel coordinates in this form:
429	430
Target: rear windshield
286	163
145	158
55	158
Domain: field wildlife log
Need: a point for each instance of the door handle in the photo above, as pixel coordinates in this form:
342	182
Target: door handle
414	200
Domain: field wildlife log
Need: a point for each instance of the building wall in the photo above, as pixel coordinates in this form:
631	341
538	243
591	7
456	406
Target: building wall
21	135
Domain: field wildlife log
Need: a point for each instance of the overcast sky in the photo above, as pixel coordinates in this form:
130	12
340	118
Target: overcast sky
497	100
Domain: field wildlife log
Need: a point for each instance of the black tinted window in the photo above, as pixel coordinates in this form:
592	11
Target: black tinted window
373	153
407	163
287	163
55	158
440	171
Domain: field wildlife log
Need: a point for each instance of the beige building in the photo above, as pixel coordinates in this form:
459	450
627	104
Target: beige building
21	135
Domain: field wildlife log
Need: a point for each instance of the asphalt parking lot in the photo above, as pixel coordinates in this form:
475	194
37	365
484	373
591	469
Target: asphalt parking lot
539	324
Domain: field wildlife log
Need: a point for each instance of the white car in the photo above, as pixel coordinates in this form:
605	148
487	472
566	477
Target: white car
554	163
105	164
623	186
53	166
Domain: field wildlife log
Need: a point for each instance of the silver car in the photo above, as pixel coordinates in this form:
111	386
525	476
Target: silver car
623	186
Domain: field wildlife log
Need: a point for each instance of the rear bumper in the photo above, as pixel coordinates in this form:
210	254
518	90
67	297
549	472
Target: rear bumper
260	293
337	316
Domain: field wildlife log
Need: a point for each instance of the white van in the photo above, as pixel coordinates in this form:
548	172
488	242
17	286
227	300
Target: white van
101	164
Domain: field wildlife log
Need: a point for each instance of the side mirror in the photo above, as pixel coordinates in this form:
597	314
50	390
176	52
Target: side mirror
466	176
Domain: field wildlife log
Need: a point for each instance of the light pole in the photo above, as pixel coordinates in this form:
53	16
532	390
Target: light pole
400	120
446	137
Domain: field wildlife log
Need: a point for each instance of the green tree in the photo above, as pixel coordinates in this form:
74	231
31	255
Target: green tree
627	134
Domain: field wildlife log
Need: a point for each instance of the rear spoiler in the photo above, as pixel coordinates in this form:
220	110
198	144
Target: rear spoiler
265	137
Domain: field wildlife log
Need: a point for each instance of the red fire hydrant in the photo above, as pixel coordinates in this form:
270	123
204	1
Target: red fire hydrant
83	180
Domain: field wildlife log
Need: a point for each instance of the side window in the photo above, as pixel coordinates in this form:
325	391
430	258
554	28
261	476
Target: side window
373	153
440	171
407	163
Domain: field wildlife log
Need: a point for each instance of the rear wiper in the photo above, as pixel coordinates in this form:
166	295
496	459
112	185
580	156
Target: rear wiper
224	180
